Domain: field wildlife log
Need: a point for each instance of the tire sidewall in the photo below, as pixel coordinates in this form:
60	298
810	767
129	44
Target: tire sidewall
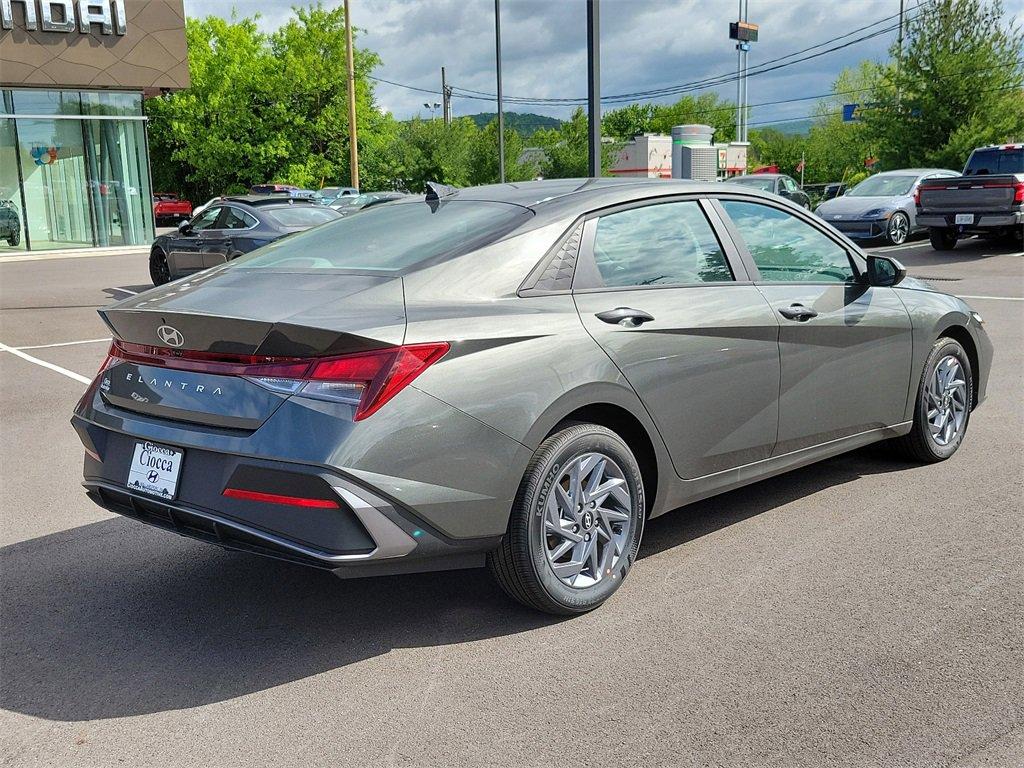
598	440
154	256
943	347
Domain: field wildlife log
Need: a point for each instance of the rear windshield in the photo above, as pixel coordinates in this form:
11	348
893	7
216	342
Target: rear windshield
301	215
766	185
391	238
989	162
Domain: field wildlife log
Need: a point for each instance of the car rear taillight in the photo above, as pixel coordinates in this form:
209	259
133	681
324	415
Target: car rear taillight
364	380
1018	192
917	196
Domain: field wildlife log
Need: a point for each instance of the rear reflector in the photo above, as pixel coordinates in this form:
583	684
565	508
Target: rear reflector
364	380
274	498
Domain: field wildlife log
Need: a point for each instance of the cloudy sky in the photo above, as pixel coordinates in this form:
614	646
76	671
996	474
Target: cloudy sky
645	44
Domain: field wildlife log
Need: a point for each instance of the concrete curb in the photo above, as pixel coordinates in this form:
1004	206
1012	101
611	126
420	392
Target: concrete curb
74	254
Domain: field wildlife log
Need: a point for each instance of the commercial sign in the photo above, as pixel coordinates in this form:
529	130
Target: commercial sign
60	15
93	44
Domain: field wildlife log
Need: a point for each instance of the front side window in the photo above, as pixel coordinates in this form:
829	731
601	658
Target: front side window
663	244
206	219
787	249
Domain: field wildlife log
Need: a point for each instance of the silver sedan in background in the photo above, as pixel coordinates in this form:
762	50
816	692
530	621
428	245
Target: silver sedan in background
881	206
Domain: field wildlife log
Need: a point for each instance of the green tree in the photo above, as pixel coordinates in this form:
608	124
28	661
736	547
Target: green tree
483	156
959	83
707	108
268	108
566	149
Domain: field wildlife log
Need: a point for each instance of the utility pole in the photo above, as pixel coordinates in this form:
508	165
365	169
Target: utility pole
594	88
446	100
899	57
353	147
744	33
501	113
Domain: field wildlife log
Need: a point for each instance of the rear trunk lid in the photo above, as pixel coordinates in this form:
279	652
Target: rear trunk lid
968	194
191	327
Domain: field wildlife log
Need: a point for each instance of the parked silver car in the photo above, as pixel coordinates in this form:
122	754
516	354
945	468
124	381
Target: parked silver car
881	206
518	375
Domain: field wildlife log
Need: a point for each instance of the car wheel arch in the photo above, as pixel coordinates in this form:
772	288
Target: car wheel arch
960	334
619	410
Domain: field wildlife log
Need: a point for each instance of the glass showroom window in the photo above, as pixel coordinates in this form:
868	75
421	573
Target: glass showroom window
119	182
12	233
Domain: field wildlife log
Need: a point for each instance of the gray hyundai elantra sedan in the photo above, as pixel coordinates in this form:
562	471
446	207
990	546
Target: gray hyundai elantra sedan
517	375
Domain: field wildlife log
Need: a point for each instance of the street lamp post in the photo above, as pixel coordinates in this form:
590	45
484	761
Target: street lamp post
433	109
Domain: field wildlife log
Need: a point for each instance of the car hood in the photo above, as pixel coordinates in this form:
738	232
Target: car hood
847	205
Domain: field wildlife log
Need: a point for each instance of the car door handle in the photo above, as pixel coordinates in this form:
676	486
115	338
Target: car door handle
798	312
625	316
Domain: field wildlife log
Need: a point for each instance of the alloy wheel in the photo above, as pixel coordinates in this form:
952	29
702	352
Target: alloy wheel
587	520
946	401
899	228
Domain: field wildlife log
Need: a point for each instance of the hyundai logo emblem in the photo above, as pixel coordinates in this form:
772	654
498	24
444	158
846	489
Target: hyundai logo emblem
170	336
153	477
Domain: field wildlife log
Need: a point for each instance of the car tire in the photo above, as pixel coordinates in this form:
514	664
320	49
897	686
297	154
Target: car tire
14	239
923	443
525	562
159	269
898	229
942	238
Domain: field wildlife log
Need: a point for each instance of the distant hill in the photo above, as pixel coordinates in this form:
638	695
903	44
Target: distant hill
792	127
525	123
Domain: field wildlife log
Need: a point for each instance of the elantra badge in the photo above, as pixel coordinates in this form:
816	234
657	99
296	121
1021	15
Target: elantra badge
170	336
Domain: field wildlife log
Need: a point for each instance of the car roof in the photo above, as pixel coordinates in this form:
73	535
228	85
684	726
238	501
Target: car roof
261	201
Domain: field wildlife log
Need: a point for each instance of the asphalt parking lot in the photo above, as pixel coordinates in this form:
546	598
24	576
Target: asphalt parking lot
861	611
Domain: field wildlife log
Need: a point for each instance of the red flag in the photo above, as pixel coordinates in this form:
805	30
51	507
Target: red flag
871	162
800	167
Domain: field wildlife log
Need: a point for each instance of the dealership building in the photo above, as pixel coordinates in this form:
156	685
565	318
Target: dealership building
74	157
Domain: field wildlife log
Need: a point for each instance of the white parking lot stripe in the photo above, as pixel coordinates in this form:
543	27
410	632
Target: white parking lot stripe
992	298
124	290
55	368
66	343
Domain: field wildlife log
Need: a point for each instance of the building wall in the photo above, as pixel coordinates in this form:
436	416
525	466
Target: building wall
648	156
150	54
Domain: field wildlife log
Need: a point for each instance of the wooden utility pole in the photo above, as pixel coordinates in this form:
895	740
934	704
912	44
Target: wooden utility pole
353	133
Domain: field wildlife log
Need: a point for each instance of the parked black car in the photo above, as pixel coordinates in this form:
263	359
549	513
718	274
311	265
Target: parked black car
227	229
10	223
776	183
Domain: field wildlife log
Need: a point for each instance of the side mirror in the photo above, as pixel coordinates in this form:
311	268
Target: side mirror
885	272
184	226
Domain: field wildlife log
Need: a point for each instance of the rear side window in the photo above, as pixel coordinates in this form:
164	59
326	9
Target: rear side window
664	244
989	162
392	238
787	249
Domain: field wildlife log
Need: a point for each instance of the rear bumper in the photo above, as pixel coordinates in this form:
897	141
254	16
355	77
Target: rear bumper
419	486
981	220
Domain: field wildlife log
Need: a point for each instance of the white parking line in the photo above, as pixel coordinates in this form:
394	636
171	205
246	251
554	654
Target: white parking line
55	368
124	290
66	343
992	298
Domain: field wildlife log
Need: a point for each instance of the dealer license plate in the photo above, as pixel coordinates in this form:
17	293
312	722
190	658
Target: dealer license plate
964	218
155	469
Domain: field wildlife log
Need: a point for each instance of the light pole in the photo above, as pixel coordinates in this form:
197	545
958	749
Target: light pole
593	88
433	109
501	111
